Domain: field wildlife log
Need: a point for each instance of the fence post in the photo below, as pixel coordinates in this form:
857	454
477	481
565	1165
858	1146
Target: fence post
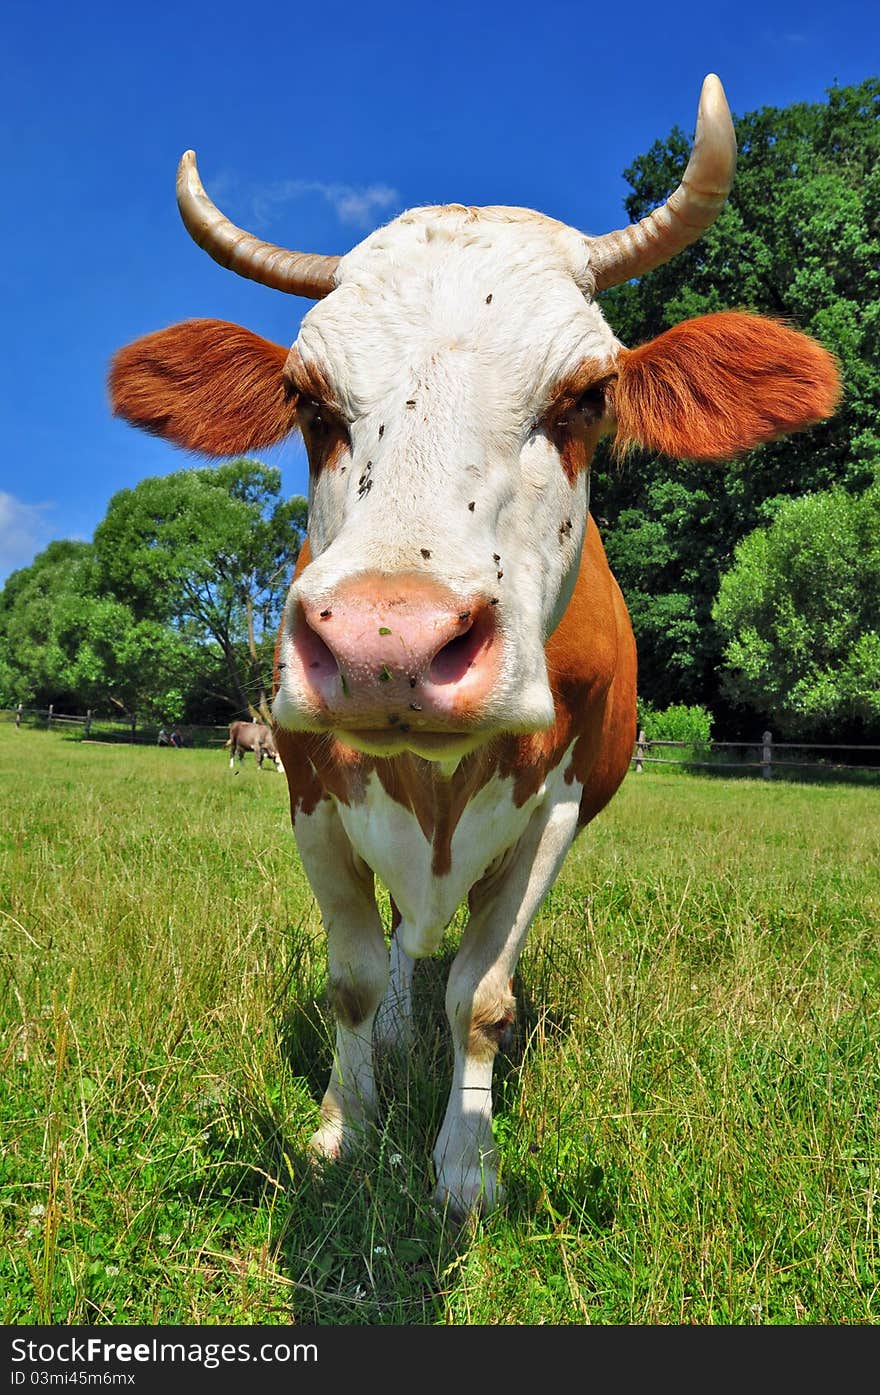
49	716
88	721
133	722
640	751
18	712
767	756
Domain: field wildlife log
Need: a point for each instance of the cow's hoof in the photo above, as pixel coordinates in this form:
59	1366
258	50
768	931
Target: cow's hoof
327	1143
335	1139
468	1197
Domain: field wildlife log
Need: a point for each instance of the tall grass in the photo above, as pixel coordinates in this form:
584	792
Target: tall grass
687	1120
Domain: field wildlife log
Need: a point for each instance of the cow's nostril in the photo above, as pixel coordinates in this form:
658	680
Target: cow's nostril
315	656
451	663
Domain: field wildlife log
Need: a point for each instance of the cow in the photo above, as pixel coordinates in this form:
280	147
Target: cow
455	685
251	736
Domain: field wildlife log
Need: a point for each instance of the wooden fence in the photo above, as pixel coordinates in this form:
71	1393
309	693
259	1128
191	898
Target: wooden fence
767	755
124	728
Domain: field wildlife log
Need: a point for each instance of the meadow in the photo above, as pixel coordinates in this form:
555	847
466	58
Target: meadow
687	1117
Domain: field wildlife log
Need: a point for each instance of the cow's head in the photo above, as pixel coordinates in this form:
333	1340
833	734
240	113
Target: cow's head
450	386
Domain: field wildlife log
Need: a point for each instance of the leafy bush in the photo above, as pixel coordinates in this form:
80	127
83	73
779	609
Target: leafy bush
679	722
676	723
799	611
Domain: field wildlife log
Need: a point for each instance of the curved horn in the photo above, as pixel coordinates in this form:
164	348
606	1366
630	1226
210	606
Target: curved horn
298	273
619	256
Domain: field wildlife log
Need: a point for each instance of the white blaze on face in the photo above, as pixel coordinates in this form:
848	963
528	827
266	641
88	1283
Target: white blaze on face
443	344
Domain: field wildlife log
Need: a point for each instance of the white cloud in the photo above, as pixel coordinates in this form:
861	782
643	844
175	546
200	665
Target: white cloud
786	38
24	530
361	207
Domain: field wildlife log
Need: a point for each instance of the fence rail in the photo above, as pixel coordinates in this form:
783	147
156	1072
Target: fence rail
125	728
768	755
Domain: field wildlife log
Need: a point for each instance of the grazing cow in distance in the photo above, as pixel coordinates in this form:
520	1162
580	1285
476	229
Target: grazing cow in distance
251	736
456	671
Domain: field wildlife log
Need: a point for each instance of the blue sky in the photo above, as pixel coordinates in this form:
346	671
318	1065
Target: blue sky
310	137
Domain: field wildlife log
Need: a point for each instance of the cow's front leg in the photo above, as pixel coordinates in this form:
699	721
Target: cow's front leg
357	972
481	1007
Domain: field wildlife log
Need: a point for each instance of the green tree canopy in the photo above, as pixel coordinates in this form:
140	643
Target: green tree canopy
173	608
799	239
63	641
799	612
209	552
34	666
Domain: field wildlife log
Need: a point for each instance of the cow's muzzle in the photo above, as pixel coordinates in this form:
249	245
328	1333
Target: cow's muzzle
396	655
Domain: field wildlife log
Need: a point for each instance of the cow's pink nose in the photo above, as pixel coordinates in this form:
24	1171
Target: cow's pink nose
397	651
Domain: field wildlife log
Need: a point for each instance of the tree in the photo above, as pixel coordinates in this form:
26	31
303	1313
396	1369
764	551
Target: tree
210	553
799	613
64	642
140	666
35	667
798	239
172	610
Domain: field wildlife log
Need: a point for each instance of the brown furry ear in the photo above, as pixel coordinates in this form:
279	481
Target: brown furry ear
206	385
719	385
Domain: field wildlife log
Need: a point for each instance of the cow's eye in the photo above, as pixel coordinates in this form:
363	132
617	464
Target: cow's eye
316	414
591	404
324	431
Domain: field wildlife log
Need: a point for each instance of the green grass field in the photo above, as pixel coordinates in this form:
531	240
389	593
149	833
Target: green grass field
688	1119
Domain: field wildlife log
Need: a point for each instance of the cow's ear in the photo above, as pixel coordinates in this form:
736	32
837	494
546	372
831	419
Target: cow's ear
206	385
719	385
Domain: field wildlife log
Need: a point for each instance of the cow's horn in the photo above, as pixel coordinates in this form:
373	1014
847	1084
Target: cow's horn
299	273
619	256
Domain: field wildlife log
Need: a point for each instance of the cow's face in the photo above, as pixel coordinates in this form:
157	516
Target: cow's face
451	390
450	386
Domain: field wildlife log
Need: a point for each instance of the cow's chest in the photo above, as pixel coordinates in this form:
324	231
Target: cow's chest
430	850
